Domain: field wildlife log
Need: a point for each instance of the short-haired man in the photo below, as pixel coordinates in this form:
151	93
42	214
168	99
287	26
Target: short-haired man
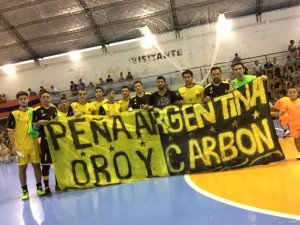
82	107
216	87
24	145
242	79
41	117
141	98
111	107
99	99
124	102
191	93
64	107
163	96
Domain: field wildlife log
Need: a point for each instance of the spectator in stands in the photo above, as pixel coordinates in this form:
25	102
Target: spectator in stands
129	76
257	68
299	48
217	87
31	93
121	78
1	99
276	68
99	99
124	102
292	49
242	79
296	76
289	64
91	85
163	96
73	88
236	59
269	67
53	90
4	153
111	107
109	79
42	89
80	84
101	81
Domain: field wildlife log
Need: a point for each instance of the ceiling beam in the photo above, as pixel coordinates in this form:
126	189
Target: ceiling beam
175	19
24	5
19	39
93	24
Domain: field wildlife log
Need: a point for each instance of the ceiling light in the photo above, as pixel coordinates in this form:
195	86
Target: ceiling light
149	39
224	26
9	69
75	56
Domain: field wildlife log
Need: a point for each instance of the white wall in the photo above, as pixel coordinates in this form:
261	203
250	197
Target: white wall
195	47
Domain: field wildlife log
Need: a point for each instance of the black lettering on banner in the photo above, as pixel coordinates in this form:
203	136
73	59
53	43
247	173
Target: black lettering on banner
54	136
141	123
174	119
123	155
104	133
100	169
84	169
75	133
116	130
147	161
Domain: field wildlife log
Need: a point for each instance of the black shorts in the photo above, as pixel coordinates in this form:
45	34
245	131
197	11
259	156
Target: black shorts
45	153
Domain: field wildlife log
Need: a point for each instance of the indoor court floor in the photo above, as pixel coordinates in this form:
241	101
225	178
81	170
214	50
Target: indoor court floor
261	195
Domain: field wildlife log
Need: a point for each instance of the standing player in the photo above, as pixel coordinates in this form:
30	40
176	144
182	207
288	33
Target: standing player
111	107
163	96
25	146
124	102
41	117
82	107
191	93
242	79
283	120
141	98
217	87
100	100
65	109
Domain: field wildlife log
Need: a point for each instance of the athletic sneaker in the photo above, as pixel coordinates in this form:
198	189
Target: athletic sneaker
286	133
57	188
25	195
48	192
298	156
40	192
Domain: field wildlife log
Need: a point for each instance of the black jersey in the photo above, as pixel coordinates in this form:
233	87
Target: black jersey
157	100
136	102
212	90
41	113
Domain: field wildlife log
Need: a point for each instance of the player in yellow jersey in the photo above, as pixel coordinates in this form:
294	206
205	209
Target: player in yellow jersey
124	102
82	107
64	108
100	100
23	145
191	93
111	107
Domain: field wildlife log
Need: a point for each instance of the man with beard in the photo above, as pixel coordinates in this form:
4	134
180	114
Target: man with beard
163	96
217	87
41	117
242	79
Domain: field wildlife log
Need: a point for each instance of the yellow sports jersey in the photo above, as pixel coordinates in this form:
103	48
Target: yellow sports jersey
19	121
192	95
85	109
124	104
98	104
109	108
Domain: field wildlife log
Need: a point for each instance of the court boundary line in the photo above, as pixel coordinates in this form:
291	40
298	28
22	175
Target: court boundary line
191	183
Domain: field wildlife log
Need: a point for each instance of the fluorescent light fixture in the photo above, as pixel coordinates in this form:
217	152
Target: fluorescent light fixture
75	56
9	69
224	26
149	39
